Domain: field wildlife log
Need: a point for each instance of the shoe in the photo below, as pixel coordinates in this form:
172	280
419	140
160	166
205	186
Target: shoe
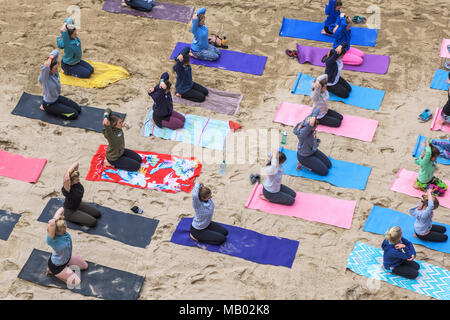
359	19
447	65
136	209
255	178
291	53
425	115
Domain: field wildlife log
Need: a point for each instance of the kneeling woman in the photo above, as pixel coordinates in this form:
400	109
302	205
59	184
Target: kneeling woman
319	96
141	5
333	68
200	46
116	154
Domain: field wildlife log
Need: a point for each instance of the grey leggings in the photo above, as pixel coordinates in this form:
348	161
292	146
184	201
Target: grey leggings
285	196
86	215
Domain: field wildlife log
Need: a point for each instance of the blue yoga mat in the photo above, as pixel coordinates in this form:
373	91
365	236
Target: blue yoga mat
381	219
312	31
341	174
419	147
440	80
243	243
131	229
229	60
362	97
7	222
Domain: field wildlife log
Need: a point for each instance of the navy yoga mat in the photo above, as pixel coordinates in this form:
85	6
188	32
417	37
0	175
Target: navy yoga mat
90	118
7	222
128	228
243	243
97	281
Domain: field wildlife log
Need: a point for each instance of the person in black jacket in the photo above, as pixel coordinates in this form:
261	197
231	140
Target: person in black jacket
333	67
445	114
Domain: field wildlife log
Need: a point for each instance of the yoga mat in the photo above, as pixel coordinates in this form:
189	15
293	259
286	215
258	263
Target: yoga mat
7	222
90	118
158	171
216	101
243	243
229	60
197	130
420	145
311	207
362	97
381	219
432	281
97	281
440	80
20	168
435	125
341	174
131	229
163	11
444	51
351	126
310	30
372	63
103	75
403	183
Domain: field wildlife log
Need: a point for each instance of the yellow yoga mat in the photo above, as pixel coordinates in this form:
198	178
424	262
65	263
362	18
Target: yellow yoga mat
103	75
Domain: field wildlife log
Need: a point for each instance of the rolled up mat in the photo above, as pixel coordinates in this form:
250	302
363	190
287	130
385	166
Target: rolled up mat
444	51
229	60
103	75
404	181
97	281
381	219
7	222
420	146
243	243
131	229
20	168
362	97
435	125
432	281
372	63
216	101
311	207
90	118
351	126
310	30
341	174
163	11
440	80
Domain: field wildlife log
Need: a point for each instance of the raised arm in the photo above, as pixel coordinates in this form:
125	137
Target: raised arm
51	226
195	198
273	168
195	21
66	182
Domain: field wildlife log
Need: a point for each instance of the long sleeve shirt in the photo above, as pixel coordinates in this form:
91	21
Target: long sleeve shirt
163	105
307	142
342	36
51	84
204	210
427	166
319	99
394	257
274	174
424	218
333	68
72	47
332	15
200	41
184	74
116	141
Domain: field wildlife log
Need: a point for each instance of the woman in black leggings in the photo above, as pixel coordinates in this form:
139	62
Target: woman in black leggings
333	67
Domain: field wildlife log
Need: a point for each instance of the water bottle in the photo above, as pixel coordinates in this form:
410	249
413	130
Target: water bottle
283	139
222	167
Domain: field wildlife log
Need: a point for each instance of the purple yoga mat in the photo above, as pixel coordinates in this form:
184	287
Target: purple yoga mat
164	11
372	63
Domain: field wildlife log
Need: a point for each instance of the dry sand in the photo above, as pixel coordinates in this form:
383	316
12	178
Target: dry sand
410	34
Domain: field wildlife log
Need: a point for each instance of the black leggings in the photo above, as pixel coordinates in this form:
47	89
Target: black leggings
197	93
331	119
86	215
285	196
214	233
436	234
318	162
408	269
63	107
341	88
129	161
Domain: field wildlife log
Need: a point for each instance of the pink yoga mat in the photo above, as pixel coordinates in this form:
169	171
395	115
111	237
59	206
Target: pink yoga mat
435	123
444	51
20	168
311	207
403	183
351	126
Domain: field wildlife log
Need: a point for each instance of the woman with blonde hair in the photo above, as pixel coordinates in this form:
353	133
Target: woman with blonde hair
399	254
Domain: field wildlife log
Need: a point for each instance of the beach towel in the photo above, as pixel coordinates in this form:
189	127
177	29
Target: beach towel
103	75
20	168
97	281
440	80
7	222
163	11
372	63
128	228
216	101
435	125
311	207
158	171
341	174
432	281
197	130
310	30
229	60
362	97
243	243
90	118
381	219
351	126
403	183
444	51
420	146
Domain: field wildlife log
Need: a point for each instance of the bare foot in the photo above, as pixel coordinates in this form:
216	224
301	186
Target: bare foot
323	32
261	196
48	272
177	94
107	164
123	3
192	55
42	107
416	187
441	121
142	170
414	235
192	237
299	166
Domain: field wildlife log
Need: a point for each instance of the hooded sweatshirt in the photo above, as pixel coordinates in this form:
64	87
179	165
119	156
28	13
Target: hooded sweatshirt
163	106
307	142
394	257
319	99
51	84
333	68
332	15
184	74
200	41
424	218
342	36
426	166
72	47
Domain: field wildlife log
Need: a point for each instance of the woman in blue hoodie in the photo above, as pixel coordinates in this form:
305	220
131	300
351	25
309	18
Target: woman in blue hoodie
200	46
342	37
333	11
399	254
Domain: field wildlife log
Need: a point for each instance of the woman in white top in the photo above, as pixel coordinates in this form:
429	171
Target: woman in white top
319	96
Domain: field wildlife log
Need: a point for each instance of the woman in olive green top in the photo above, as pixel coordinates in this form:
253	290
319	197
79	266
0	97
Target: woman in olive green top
116	154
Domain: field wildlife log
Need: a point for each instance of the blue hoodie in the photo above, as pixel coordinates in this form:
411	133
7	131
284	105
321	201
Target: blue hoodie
342	35
72	47
200	41
332	14
184	74
394	257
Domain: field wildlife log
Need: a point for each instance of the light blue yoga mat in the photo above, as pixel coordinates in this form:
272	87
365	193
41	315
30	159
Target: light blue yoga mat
381	219
341	174
312	31
432	281
440	80
362	97
420	145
